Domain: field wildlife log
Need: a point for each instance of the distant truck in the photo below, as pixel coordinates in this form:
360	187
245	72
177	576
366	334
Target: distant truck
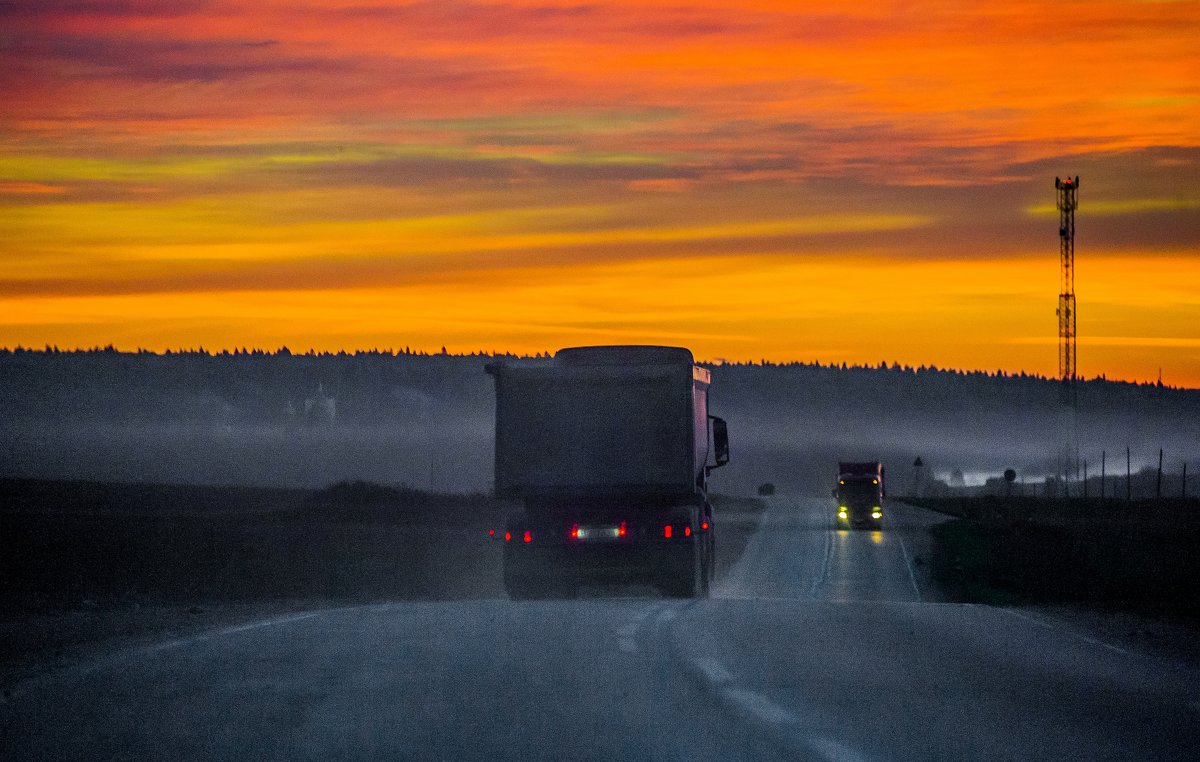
860	493
607	449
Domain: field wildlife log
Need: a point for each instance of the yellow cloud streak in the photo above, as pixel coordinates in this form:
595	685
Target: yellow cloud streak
49	168
1127	206
241	229
954	314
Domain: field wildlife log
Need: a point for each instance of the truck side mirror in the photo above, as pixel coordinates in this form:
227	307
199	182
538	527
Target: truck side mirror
720	433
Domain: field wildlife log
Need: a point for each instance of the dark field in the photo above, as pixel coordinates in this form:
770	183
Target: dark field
82	562
1141	556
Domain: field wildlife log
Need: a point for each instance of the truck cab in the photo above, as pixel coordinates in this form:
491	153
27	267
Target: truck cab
607	451
860	492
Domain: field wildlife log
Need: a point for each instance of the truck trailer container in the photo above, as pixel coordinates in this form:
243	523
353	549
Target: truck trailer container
606	450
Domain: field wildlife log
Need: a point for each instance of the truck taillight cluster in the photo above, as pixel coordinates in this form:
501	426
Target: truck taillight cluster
620	531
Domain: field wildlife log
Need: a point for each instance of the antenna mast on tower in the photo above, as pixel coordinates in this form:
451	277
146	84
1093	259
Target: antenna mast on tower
1067	190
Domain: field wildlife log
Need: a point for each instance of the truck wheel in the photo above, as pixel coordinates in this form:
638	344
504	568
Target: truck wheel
708	570
690	582
517	586
517	592
529	590
520	584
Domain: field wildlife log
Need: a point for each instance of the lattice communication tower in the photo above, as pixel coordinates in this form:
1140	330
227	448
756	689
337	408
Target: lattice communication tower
1067	201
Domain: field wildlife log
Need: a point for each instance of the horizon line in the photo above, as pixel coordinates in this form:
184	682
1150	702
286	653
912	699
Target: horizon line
285	351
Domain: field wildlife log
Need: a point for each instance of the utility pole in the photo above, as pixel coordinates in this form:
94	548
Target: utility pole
1103	473
1158	484
1128	486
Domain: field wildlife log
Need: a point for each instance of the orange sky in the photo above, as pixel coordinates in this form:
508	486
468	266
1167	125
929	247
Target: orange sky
780	181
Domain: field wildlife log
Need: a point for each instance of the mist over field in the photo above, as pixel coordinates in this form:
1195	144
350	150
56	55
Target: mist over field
426	421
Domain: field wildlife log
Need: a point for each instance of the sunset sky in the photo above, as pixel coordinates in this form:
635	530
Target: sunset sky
788	180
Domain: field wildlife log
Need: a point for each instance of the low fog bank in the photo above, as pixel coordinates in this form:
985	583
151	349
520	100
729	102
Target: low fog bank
456	458
426	422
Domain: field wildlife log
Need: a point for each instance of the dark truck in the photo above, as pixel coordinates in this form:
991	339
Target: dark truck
860	494
607	449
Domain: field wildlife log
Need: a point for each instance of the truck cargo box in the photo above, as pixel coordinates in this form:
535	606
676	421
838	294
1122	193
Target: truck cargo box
601	420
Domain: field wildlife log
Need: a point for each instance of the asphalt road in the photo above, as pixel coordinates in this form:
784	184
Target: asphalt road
819	644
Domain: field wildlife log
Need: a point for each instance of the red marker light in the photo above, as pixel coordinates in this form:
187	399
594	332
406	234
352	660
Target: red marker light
574	531
704	526
528	536
687	531
491	533
621	530
667	531
507	536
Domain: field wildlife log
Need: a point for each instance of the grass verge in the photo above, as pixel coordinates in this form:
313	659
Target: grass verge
1140	557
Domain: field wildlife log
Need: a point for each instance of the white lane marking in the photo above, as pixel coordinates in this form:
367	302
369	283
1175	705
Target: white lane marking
1064	631
628	630
645	614
74	673
819	581
765	710
834	751
734	585
912	577
760	706
756	709
228	631
714	672
627	633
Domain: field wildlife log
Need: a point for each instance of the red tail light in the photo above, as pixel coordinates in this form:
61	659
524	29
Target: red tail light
621	530
528	536
507	536
574	534
491	533
704	526
687	531
667	531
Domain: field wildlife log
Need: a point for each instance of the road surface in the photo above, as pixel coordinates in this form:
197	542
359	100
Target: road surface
819	644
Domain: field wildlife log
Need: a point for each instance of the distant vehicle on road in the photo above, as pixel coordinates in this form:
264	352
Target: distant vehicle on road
860	493
607	448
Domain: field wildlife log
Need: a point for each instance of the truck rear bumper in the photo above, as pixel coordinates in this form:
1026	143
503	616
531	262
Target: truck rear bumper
612	562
